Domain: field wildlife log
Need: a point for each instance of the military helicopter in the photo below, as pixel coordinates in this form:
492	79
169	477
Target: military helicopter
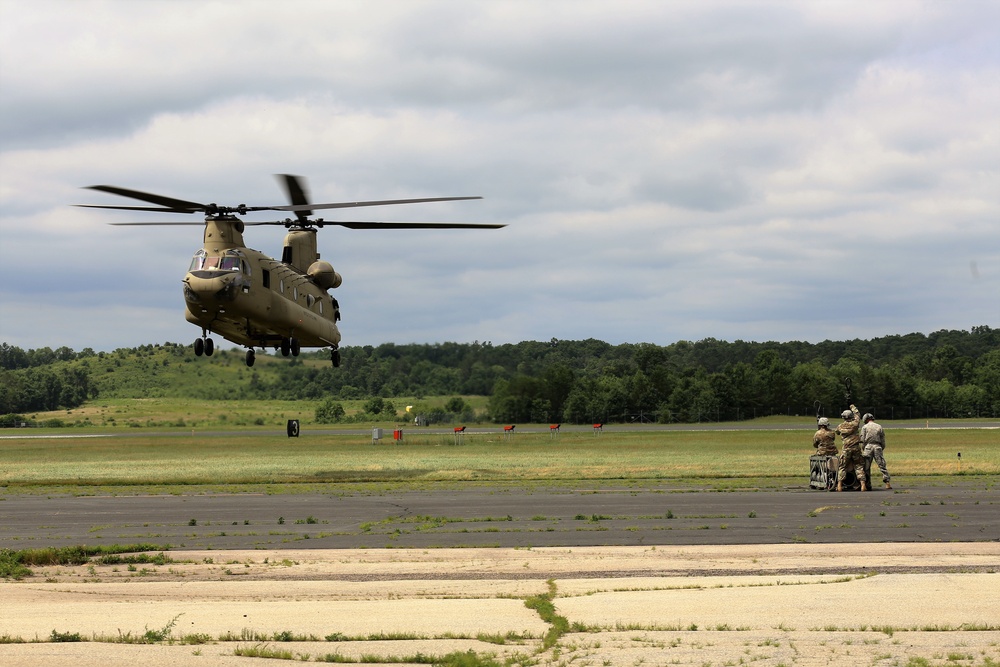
249	298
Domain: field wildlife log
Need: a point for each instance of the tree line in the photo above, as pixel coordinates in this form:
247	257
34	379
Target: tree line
944	374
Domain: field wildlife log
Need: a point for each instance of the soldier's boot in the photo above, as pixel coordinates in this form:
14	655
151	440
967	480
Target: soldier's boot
840	486
864	487
887	485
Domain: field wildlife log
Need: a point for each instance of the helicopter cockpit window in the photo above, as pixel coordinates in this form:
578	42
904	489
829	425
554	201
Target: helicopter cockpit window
201	262
198	261
230	264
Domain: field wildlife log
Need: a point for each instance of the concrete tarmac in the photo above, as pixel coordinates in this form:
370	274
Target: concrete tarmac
943	509
642	576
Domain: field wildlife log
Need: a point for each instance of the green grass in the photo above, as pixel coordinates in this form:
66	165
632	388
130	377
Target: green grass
251	458
543	604
169	413
14	563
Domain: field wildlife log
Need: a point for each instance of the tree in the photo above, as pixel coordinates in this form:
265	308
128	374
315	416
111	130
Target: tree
811	382
12	357
329	412
988	378
772	381
693	400
936	397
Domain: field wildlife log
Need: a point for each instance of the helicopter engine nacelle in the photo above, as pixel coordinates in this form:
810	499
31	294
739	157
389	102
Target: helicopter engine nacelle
323	275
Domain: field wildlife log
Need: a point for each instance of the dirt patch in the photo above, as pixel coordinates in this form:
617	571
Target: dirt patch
776	604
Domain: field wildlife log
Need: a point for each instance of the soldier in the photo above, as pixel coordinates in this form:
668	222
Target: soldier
850	439
825	440
873	441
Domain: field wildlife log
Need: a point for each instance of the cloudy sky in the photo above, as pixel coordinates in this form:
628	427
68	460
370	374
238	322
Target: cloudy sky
668	170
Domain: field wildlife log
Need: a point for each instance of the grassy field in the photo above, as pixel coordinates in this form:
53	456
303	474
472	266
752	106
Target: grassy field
167	413
243	458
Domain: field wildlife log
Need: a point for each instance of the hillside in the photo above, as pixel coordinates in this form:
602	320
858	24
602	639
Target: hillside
944	374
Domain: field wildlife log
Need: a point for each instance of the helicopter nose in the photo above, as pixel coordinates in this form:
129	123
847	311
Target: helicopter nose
200	289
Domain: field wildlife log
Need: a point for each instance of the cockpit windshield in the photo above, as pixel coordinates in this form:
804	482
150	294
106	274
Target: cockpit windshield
228	262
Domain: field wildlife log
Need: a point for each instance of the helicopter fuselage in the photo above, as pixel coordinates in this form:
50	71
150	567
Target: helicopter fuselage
253	300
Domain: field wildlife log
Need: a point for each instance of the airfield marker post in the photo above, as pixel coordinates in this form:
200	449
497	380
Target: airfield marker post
459	435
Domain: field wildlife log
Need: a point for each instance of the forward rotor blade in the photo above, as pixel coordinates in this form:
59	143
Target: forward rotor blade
350	224
137	208
170	203
157	224
294	186
356	224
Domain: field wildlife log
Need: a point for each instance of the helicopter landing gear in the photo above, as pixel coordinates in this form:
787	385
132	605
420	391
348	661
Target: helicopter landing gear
204	346
335	357
251	358
290	346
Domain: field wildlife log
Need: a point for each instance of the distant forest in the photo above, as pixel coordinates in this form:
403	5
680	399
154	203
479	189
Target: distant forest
943	374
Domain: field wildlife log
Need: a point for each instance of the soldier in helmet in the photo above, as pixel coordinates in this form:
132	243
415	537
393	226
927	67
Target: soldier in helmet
850	441
825	440
873	442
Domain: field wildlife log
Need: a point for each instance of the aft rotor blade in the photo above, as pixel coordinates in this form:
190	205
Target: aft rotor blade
295	188
357	204
410	225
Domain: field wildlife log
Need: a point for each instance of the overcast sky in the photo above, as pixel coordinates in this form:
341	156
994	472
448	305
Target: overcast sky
668	170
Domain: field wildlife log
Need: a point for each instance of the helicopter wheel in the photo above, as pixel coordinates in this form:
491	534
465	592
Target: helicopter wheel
209	347
293	344
250	358
199	347
335	358
286	347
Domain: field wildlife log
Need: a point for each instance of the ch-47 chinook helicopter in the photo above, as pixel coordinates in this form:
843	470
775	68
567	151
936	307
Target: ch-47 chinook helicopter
251	299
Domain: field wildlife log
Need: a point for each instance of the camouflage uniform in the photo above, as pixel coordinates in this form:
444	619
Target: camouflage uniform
850	441
873	442
825	442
